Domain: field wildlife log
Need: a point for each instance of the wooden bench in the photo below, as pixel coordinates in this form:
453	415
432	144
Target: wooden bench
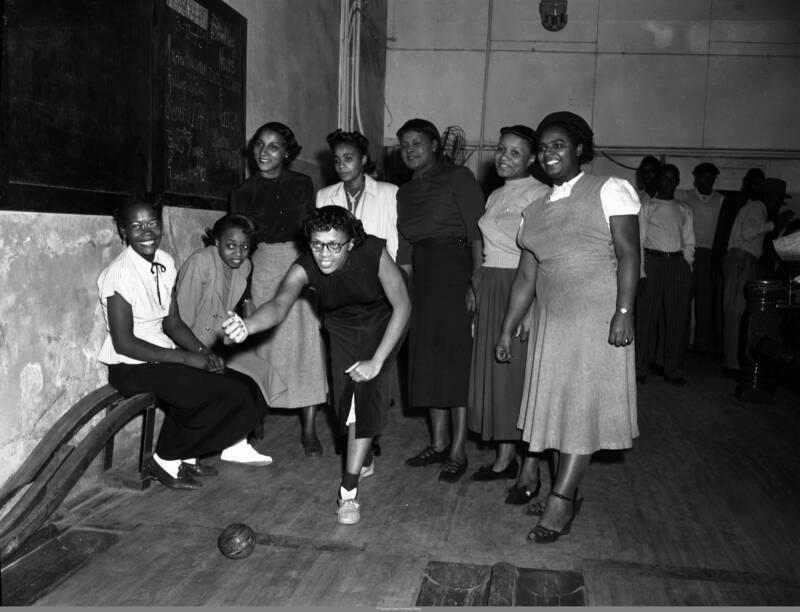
56	464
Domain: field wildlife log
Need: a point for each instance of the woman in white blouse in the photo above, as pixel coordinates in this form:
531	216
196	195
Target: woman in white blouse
373	202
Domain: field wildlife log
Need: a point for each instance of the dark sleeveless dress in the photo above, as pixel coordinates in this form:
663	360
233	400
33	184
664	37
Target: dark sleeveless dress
356	313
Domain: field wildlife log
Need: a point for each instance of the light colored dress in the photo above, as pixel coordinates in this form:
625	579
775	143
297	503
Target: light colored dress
580	391
495	389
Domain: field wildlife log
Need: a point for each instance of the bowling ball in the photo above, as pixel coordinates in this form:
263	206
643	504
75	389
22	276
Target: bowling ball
236	541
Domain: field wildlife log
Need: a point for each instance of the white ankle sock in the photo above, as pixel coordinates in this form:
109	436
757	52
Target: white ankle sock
345	494
170	466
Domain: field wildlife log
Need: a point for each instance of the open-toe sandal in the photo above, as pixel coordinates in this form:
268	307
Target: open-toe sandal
544	535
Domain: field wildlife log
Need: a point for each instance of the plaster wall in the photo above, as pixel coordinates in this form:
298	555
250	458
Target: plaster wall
50	319
691	81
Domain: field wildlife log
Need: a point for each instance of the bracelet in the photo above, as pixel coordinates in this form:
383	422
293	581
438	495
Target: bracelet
623	310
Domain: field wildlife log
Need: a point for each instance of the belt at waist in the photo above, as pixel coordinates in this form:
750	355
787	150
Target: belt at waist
441	241
663	253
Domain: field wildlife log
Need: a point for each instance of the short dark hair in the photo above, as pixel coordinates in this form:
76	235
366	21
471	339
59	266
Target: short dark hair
522	131
649	159
120	213
705	168
226	222
287	136
670	168
424	126
357	139
578	132
334	218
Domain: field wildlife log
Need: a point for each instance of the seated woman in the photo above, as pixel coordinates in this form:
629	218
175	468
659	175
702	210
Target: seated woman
366	308
205	410
211	282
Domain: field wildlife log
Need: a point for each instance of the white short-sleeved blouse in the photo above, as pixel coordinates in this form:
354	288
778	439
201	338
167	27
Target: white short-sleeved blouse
148	289
617	196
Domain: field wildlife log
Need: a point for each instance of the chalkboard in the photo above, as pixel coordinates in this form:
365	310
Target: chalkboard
199	136
101	99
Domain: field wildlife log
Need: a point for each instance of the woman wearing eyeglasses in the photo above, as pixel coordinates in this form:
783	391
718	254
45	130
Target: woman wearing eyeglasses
366	307
278	200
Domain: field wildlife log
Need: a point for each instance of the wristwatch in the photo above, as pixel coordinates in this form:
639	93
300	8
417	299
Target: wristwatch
623	310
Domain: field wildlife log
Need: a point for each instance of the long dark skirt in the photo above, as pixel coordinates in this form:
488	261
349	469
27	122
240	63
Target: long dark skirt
440	345
204	412
495	389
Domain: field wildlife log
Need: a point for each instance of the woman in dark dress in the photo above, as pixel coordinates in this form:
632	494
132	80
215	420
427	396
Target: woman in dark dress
437	216
278	200
366	308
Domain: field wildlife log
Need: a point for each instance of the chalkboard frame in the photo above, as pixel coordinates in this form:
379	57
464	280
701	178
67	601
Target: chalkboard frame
38	196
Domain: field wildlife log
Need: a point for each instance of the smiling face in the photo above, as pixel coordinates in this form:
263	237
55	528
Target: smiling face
233	247
513	157
558	155
269	153
349	163
323	245
418	150
142	230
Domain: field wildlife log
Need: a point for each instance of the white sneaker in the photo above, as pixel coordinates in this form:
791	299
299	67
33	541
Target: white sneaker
349	512
245	454
367	470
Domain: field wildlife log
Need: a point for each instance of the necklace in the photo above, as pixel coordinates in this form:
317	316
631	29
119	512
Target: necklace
353	199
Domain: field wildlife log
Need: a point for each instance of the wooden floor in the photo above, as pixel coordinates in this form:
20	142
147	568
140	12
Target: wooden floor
703	510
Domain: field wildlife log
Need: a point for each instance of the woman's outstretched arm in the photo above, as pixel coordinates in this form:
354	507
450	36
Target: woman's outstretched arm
270	313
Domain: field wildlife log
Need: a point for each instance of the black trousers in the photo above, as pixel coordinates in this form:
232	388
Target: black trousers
667	292
204	412
704	291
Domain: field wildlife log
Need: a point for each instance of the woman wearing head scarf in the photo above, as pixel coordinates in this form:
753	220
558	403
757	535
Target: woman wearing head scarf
580	258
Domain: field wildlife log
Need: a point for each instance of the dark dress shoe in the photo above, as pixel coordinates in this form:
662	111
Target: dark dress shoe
678	381
313	448
656	369
452	471
427	456
486	472
519	496
198	469
183	481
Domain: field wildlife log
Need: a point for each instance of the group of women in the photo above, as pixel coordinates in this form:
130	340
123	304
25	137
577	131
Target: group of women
518	309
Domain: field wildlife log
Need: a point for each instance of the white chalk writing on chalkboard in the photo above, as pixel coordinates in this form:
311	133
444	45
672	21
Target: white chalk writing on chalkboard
221	33
190	9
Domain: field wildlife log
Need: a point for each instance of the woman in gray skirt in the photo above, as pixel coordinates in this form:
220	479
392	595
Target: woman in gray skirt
495	389
278	200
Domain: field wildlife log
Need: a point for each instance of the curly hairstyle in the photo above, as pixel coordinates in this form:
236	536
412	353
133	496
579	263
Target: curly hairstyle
578	132
286	134
229	221
357	139
334	218
424	126
120	214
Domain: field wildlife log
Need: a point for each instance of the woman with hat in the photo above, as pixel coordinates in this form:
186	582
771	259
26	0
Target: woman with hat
580	259
437	217
495	389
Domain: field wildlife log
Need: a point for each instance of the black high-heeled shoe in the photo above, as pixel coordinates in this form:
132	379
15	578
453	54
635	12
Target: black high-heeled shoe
517	496
544	535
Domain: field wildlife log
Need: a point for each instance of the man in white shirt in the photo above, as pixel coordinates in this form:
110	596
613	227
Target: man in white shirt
667	239
705	204
756	219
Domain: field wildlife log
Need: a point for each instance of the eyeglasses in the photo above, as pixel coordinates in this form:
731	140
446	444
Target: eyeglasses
333	247
151	225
